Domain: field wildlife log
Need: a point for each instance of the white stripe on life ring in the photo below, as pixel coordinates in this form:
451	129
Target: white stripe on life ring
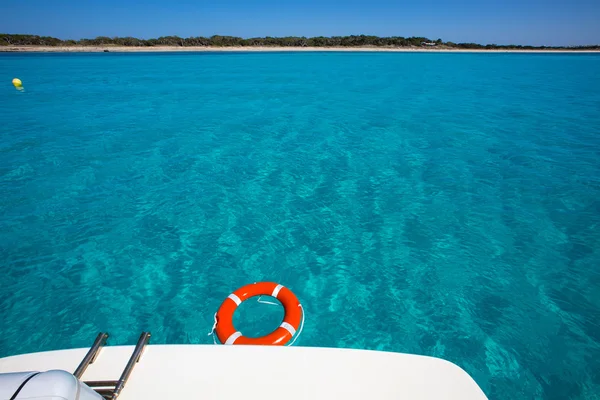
288	328
276	290
235	299
234	336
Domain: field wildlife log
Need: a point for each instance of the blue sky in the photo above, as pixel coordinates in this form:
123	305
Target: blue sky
536	22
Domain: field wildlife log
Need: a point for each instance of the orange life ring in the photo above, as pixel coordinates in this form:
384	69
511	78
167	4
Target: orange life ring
227	333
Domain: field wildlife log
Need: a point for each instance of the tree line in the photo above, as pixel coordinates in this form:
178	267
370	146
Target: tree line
289	41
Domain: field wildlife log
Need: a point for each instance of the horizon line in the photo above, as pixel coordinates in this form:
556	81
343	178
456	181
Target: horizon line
412	39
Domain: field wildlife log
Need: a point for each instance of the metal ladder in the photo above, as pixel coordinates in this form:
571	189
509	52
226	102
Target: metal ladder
110	390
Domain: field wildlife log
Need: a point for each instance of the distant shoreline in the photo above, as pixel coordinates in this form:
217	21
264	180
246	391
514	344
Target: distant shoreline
252	49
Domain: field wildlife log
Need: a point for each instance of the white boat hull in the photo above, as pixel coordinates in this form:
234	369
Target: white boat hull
263	372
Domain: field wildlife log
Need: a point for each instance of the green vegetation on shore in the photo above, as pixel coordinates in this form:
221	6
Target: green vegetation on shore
290	41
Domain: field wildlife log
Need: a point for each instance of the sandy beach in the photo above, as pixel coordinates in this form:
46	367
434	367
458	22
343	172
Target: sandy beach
129	49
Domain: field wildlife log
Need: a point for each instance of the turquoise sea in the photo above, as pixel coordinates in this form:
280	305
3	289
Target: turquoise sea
438	204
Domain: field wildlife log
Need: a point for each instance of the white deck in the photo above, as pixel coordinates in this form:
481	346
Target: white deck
251	372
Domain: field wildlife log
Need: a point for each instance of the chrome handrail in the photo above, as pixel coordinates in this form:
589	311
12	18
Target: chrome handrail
91	355
135	357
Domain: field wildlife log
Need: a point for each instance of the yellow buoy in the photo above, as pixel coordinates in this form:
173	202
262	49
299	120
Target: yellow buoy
17	83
